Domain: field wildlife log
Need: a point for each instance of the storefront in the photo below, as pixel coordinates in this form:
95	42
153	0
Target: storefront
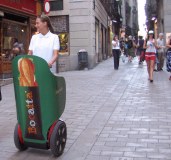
17	20
61	28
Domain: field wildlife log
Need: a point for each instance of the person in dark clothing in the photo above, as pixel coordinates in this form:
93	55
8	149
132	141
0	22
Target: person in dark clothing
131	46
168	55
140	50
0	94
116	51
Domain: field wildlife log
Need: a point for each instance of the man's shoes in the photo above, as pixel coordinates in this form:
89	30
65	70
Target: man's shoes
155	70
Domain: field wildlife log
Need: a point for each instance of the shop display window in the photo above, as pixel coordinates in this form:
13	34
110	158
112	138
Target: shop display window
13	40
63	38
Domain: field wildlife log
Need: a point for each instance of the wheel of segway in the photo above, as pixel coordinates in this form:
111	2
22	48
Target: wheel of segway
58	138
17	140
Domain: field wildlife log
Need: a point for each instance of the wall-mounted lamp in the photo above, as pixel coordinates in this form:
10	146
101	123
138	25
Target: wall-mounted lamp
153	18
114	21
1	14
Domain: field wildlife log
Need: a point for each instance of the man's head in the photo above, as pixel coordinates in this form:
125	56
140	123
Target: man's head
130	37
161	35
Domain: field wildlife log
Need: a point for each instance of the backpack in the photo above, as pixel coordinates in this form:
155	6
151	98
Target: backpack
130	44
168	61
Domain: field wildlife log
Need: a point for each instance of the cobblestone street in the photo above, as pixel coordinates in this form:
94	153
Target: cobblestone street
110	115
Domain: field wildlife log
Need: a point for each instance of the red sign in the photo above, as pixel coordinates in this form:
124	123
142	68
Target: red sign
27	6
46	6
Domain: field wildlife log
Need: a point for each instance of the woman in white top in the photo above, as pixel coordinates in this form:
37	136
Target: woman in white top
116	51
45	44
150	54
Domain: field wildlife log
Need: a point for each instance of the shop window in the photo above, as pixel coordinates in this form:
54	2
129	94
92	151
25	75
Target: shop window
63	38
13	40
56	5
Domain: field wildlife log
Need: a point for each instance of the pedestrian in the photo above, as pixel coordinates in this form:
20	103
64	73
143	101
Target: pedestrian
0	94
150	57
16	49
168	55
160	52
45	44
122	43
140	49
122	49
126	46
131	45
116	51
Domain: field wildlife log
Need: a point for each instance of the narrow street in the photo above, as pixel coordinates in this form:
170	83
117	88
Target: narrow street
110	115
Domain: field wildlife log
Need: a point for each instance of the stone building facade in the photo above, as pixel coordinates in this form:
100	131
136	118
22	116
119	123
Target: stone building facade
158	16
82	24
163	17
130	17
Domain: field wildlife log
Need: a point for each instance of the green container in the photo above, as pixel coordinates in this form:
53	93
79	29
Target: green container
40	97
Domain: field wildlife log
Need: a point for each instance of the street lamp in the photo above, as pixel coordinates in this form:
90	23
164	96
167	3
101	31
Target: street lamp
153	18
114	21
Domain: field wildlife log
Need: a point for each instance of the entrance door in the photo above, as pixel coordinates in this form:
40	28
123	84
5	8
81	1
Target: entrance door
97	40
102	44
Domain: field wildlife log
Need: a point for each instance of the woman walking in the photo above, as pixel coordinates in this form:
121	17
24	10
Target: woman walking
116	51
168	55
150	57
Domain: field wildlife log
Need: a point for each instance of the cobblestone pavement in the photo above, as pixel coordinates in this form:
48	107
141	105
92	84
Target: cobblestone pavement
110	115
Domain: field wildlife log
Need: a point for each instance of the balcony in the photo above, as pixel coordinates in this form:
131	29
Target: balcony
113	8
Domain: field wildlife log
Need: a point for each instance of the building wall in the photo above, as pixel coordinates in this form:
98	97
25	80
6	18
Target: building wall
160	20
101	15
82	17
163	17
80	29
167	15
123	13
61	12
132	17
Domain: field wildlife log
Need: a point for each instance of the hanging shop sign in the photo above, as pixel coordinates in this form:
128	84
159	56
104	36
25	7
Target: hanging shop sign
27	6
